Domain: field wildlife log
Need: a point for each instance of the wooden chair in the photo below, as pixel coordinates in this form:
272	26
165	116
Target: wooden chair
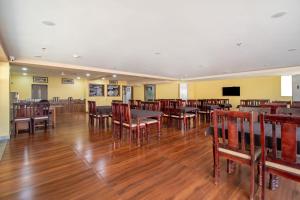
192	103
231	147
40	113
177	114
285	162
295	104
256	111
21	115
132	125
116	117
288	111
92	112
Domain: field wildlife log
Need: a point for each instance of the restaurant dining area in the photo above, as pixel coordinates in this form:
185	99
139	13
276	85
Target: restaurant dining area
155	100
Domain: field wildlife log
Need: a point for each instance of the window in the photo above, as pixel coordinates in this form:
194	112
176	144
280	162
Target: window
286	86
183	90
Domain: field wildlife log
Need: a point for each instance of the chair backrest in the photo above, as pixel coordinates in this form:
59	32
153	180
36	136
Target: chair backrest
288	130
273	106
235	122
116	111
153	105
256	111
40	109
92	107
282	102
253	102
295	104
125	113
192	103
22	110
288	111
164	105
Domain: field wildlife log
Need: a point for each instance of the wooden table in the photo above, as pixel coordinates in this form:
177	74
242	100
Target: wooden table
104	109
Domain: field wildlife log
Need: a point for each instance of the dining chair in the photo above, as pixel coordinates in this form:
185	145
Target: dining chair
40	114
93	116
134	126
288	111
283	161
116	117
21	115
227	144
180	116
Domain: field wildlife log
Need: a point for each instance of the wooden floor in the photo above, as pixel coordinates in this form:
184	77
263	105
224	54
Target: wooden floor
74	161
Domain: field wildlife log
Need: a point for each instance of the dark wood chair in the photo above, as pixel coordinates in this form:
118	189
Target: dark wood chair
116	117
132	125
295	104
256	111
177	114
283	162
40	114
92	112
230	147
288	111
192	103
21	114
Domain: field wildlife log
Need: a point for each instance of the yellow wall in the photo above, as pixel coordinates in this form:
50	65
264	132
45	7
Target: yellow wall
104	100
4	100
22	85
251	88
254	87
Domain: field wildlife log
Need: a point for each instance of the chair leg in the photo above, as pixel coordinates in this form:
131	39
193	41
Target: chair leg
216	167
16	129
262	177
252	181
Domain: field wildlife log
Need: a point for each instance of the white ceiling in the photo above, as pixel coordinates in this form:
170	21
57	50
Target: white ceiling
171	38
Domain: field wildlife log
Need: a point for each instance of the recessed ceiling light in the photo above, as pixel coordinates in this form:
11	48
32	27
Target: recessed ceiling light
103	78
88	75
76	56
114	75
279	14
292	49
24	74
24	68
48	23
78	77
62	73
44	49
239	44
38	56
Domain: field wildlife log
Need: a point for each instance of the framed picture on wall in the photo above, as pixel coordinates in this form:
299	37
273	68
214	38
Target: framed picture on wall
96	90
67	81
40	79
113	90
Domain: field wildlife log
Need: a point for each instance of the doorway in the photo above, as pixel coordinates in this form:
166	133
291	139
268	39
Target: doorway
127	93
39	91
150	93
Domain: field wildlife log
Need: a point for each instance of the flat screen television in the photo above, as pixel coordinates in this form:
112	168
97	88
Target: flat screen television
231	91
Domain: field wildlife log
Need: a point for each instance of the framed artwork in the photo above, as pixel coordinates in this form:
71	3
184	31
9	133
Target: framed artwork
96	90
113	82
40	79
113	90
67	81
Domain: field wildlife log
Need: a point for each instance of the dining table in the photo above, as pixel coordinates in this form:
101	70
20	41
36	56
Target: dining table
106	110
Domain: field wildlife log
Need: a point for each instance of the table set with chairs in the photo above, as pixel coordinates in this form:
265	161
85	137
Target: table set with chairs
265	137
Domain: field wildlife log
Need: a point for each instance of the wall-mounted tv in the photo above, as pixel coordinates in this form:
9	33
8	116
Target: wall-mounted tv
231	91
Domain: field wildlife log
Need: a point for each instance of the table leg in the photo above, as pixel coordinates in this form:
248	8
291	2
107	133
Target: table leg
54	117
138	132
158	125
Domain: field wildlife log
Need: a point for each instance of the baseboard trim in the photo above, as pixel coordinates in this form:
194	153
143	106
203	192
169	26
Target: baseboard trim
4	138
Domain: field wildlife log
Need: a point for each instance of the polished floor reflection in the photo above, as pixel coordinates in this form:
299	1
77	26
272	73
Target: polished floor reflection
75	161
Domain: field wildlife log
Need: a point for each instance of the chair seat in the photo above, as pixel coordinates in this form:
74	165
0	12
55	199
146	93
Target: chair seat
190	115
283	167
177	116
134	124
22	119
104	115
116	122
40	117
150	121
239	154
